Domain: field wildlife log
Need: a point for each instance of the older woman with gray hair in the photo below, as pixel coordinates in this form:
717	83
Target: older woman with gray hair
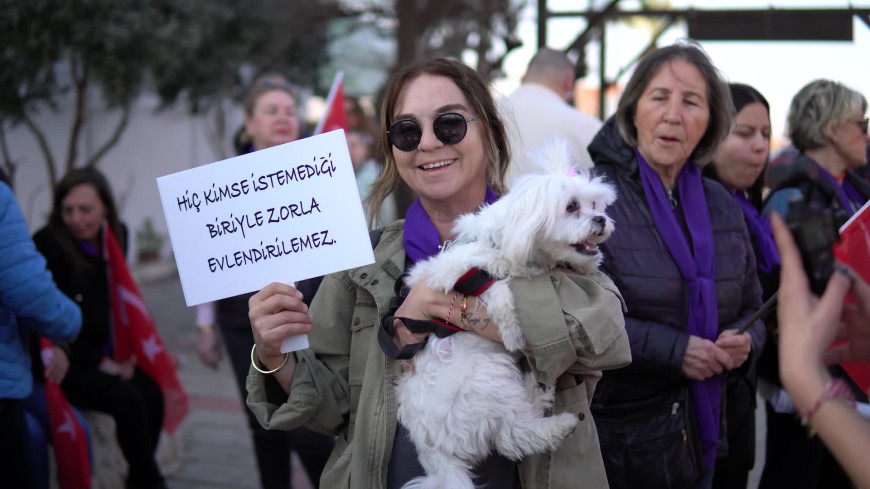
682	258
828	126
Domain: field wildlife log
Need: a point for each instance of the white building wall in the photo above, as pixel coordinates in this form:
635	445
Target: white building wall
154	144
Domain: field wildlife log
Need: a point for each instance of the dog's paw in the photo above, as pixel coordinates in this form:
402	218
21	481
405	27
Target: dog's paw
562	425
512	338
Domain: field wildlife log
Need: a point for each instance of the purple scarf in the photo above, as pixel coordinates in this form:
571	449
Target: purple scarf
420	236
759	229
697	270
841	190
852	194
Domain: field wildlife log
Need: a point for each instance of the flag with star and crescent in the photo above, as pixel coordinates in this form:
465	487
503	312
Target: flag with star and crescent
67	436
134	334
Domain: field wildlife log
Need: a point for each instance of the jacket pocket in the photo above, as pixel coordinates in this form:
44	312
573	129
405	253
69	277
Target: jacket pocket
652	450
362	334
337	473
579	454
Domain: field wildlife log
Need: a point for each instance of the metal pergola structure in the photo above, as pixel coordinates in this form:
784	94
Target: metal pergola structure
744	25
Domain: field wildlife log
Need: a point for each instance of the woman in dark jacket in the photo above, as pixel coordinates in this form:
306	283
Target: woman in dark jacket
739	165
682	259
72	246
827	124
271	118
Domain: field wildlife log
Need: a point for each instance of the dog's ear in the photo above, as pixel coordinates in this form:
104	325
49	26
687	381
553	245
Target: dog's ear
527	212
604	192
553	158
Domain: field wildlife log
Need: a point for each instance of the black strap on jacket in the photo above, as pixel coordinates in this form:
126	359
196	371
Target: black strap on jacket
473	283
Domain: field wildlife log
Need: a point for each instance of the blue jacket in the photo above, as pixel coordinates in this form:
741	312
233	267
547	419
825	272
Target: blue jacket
28	299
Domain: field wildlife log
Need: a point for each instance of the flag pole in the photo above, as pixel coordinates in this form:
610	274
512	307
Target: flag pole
330	99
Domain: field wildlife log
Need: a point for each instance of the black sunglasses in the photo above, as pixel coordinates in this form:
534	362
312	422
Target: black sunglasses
449	128
863	125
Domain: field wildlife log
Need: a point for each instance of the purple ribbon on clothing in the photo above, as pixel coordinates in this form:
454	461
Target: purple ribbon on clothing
420	237
853	195
841	191
697	269
760	230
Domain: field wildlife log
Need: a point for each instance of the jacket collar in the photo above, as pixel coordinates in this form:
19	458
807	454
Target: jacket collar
389	256
609	149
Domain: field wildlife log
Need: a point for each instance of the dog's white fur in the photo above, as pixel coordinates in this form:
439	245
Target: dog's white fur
465	394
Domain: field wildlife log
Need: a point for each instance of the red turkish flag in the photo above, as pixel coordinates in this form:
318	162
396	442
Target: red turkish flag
853	249
334	117
134	334
68	437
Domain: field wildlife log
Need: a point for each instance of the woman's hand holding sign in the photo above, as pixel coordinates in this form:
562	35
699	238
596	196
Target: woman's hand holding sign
277	312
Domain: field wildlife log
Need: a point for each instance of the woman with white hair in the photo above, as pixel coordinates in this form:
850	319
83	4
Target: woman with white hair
828	126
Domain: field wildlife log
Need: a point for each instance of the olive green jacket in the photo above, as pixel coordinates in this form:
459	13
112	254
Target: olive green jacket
345	386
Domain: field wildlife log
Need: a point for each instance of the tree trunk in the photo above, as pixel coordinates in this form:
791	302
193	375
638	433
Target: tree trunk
80	82
9	166
113	139
43	148
408	32
410	25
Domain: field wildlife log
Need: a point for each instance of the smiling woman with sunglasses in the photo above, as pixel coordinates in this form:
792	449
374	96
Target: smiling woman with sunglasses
443	137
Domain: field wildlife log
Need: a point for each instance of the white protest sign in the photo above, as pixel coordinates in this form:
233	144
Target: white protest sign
281	214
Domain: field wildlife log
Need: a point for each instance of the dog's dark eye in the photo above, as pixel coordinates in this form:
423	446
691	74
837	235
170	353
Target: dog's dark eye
593	205
573	206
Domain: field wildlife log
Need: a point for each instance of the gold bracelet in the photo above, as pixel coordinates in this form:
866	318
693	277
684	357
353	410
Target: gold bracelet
267	372
204	327
462	309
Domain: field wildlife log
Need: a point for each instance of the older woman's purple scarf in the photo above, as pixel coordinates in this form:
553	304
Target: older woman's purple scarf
420	236
697	270
759	228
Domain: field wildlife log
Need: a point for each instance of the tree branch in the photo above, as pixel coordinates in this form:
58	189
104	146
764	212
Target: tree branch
113	139
43	147
8	164
81	82
216	130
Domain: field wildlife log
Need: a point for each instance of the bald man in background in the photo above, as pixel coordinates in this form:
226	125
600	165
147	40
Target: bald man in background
539	111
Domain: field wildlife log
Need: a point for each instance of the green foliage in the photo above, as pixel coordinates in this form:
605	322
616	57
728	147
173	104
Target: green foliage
218	43
49	46
147	238
197	51
193	48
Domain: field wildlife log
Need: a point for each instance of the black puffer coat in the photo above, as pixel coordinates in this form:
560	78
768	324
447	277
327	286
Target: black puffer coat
643	412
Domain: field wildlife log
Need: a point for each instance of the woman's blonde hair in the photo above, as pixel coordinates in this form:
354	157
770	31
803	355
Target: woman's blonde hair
818	105
476	90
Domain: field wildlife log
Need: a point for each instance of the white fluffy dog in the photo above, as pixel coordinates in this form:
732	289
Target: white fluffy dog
465	394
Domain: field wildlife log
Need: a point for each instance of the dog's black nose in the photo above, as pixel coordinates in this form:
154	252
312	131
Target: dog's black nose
600	220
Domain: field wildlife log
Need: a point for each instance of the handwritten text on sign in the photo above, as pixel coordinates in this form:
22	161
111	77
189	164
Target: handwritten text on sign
282	214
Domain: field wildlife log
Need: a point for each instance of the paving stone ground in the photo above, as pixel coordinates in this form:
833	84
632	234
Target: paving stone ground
215	442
